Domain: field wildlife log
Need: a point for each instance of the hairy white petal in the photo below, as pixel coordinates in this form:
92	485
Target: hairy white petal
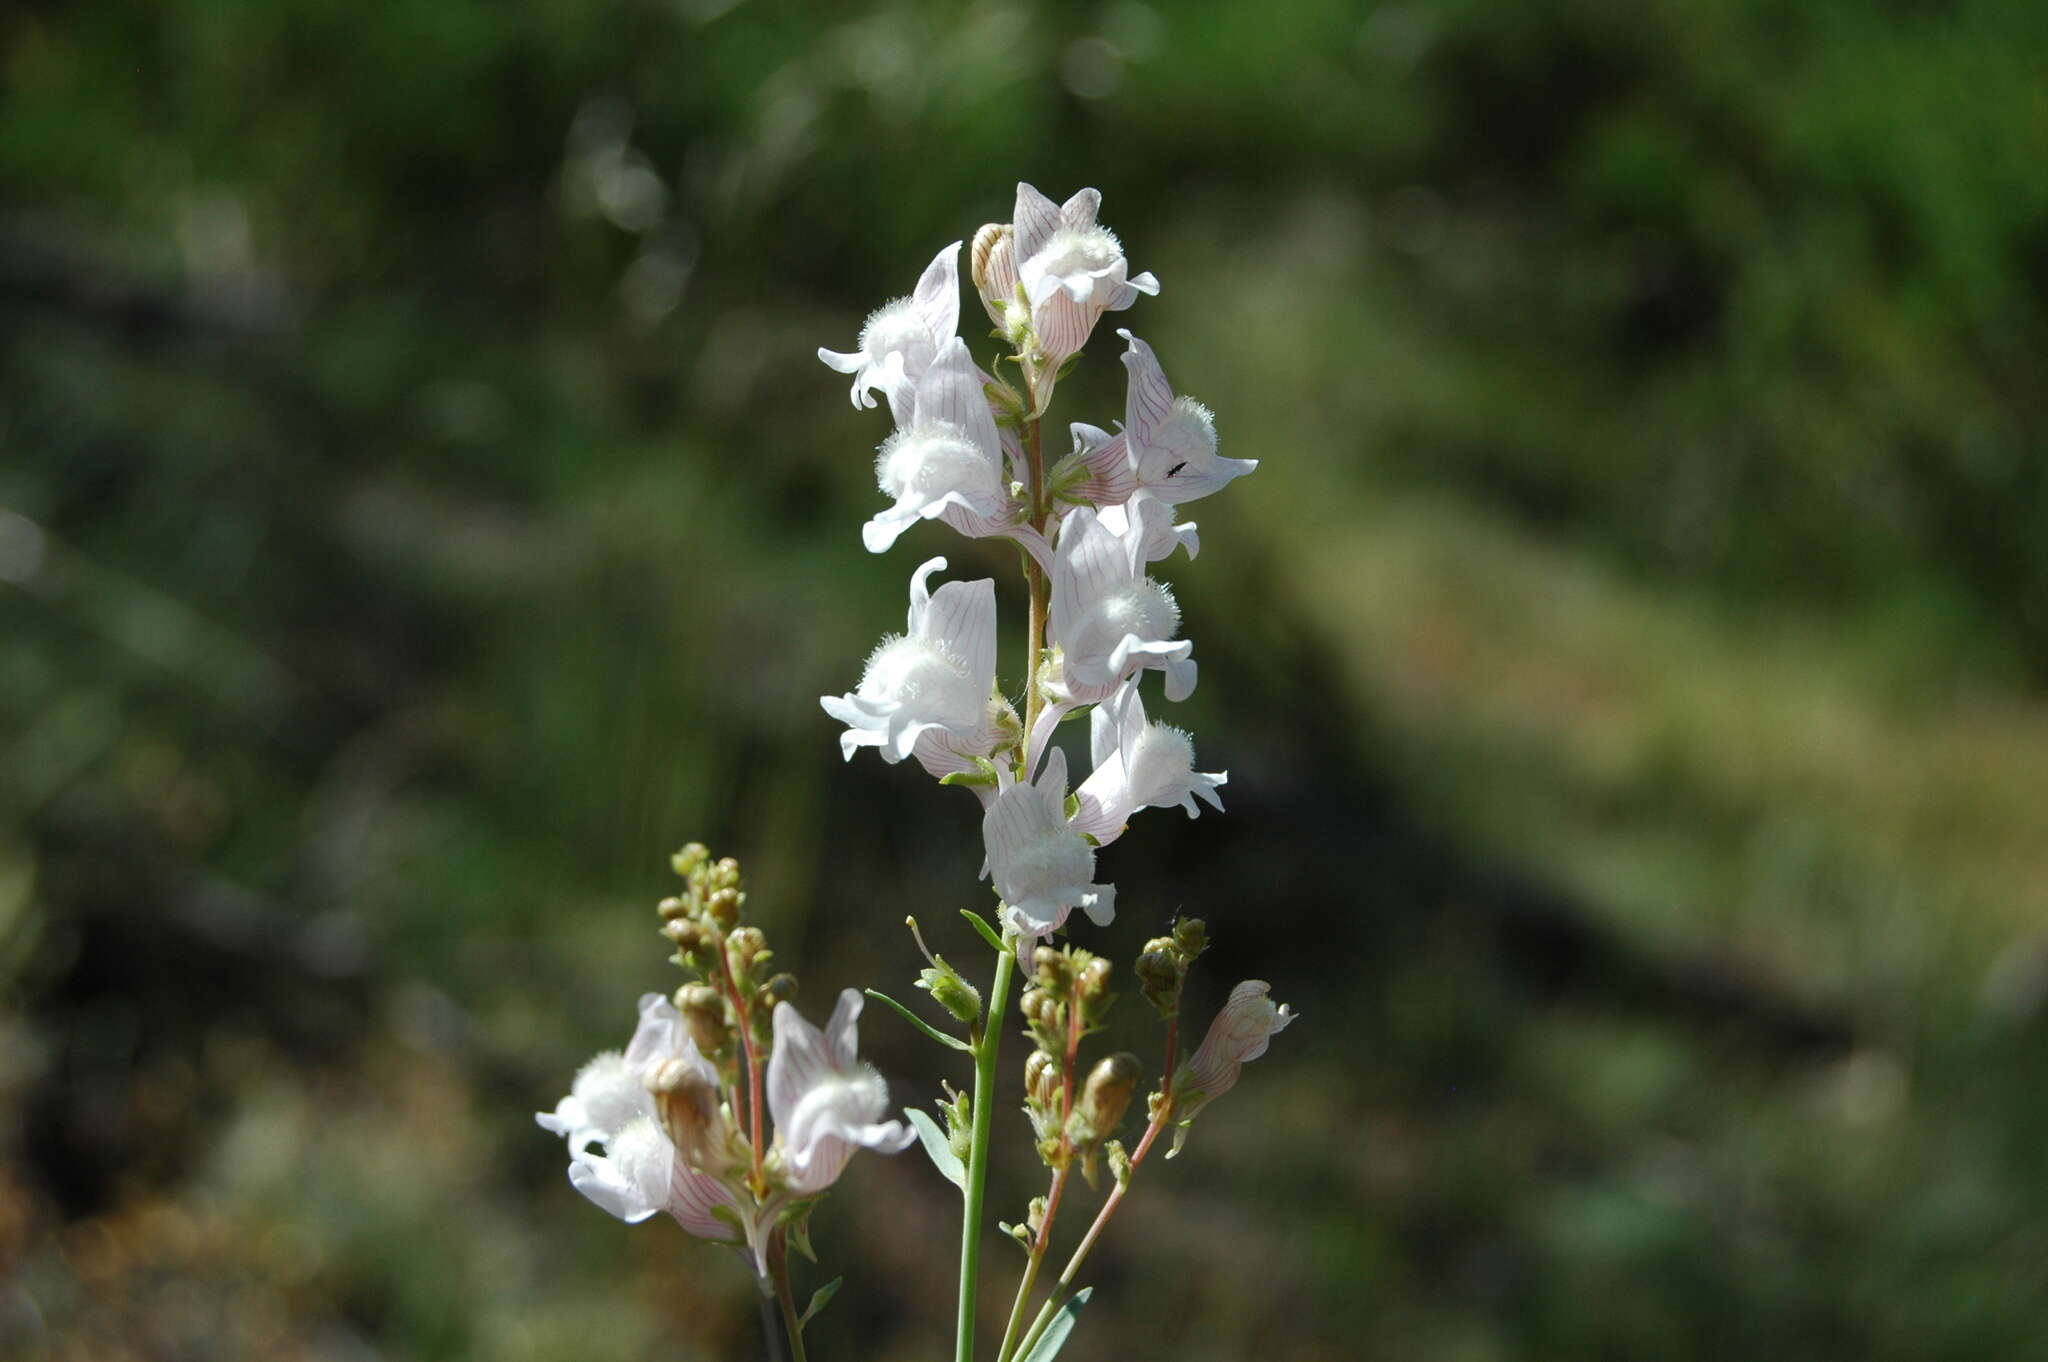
901	339
826	1102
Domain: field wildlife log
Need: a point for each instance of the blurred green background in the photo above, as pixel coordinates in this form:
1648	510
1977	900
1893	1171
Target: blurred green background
423	511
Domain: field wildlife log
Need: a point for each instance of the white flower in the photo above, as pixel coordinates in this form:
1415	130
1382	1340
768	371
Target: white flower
1152	521
1072	270
1040	863
1098	471
1172	440
901	339
640	1171
945	461
656	1109
1138	765
1108	618
1240	1033
826	1102
927	692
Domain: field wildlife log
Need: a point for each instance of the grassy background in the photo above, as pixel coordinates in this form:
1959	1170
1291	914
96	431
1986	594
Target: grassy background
422	512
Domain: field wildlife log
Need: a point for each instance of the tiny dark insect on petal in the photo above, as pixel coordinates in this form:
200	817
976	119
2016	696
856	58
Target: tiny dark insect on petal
1176	468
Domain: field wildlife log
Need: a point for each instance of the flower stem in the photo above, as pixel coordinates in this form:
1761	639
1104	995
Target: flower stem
740	1008
1034	576
1161	1118
986	1047
1042	1241
778	1268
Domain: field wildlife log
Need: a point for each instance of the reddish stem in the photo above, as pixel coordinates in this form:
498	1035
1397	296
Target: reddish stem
753	1113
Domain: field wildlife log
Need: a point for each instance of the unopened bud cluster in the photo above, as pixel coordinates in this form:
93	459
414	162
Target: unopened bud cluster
1067	998
731	959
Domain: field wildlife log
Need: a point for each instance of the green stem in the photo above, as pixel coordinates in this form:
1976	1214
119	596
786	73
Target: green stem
1034	578
986	1047
778	1267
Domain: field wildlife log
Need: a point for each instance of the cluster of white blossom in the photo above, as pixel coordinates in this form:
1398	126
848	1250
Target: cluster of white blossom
664	1125
727	1109
1095	522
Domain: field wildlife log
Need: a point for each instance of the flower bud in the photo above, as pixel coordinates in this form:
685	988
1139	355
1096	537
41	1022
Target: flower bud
1191	938
1041	1079
958	1109
779	989
1160	969
1093	983
722	906
686	1102
992	265
1107	1092
725	874
703	1010
689	858
1052	970
1035	1007
952	992
694	941
671	908
745	949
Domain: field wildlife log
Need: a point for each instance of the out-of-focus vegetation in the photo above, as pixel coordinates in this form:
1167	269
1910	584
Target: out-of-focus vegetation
422	511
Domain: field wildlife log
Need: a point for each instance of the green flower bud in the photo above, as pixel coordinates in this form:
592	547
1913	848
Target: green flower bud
1052	970
744	947
694	941
722	906
689	858
1160	970
1092	987
952	992
779	989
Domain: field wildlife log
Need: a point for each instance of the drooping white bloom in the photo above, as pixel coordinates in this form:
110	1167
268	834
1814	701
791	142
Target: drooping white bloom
1040	863
1240	1034
826	1102
1138	765
1072	270
945	461
1108	618
1172	440
641	1171
926	692
901	339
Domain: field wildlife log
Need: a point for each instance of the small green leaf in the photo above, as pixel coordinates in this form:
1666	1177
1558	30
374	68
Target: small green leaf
1055	1336
819	1298
988	933
950	1042
938	1146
